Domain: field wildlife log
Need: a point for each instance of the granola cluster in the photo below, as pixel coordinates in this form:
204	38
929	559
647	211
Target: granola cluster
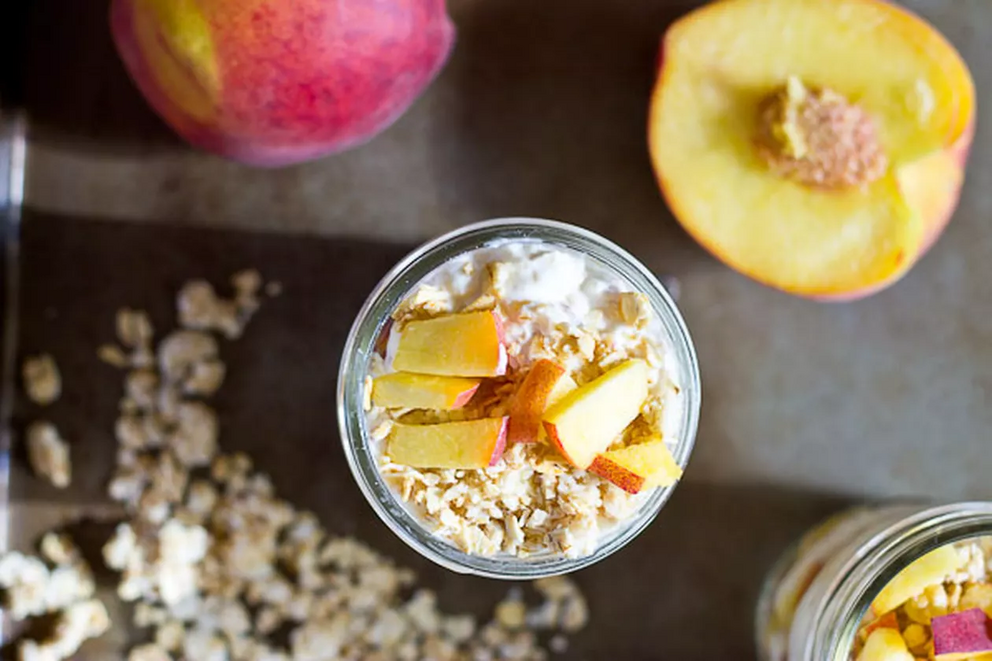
58	587
532	501
218	566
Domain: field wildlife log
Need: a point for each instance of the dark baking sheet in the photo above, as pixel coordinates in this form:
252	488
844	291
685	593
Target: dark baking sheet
541	111
686	587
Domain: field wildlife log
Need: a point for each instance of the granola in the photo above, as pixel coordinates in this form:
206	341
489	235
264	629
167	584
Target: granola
48	454
551	305
219	567
62	590
42	380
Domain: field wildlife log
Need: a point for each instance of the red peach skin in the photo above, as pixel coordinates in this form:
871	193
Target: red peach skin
269	82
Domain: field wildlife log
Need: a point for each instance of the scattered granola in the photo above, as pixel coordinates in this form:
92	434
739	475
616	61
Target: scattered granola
42	380
519	497
219	567
48	454
65	589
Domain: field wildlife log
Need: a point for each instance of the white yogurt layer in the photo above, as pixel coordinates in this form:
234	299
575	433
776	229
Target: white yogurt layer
550	298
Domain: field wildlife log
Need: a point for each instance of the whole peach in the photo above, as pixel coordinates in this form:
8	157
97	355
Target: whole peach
274	82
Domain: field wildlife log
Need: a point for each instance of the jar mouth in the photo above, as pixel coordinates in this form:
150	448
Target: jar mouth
360	346
879	560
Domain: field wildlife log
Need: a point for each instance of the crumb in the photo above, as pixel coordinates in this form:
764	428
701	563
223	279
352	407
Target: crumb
48	454
42	380
113	355
134	328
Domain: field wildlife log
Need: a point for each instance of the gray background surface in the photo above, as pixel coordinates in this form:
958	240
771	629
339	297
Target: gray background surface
541	111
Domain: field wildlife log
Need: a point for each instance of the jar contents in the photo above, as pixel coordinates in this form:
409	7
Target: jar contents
939	607
523	401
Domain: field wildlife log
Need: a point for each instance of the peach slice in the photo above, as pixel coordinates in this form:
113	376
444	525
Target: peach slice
960	636
471	444
469	344
885	644
888	621
588	419
532	398
423	391
642	466
817	146
928	570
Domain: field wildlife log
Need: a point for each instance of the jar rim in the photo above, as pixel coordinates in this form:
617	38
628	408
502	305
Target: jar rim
372	317
878	560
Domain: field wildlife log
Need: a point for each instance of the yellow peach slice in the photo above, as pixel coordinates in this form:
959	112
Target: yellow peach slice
423	391
928	570
642	466
588	419
531	400
469	344
885	644
471	444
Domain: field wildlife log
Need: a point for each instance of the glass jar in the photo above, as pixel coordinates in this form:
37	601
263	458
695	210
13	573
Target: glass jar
816	597
370	323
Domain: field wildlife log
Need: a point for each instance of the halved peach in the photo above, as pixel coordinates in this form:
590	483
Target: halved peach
471	444
423	391
636	467
469	344
590	418
531	400
817	146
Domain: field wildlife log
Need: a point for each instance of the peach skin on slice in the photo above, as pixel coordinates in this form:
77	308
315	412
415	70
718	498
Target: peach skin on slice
961	636
591	417
888	621
928	570
423	391
784	135
469	344
636	467
471	444
885	645
531	400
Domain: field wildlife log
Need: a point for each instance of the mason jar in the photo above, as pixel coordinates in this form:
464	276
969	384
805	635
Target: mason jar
371	323
815	599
